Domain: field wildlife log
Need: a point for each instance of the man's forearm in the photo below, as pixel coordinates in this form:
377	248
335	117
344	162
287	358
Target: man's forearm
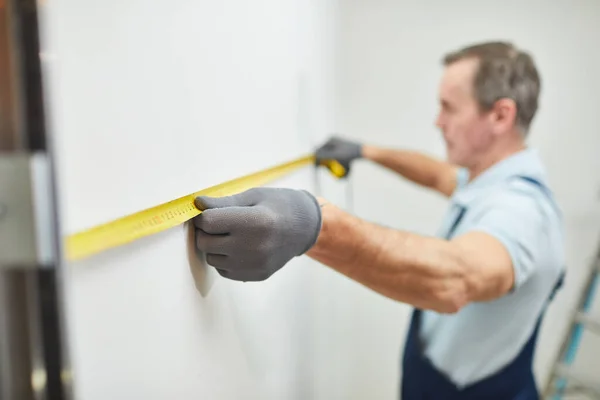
423	271
416	167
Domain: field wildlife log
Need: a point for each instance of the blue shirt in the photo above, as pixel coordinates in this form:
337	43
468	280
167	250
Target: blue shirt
484	336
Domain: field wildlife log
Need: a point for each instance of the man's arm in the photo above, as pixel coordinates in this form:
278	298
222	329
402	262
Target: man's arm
250	236
416	167
426	272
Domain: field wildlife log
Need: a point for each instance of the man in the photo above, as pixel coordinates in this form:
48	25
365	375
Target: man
480	288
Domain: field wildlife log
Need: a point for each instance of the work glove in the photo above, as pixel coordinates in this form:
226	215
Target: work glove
341	150
250	236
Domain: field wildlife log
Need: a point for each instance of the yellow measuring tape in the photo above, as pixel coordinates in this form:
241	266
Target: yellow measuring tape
167	215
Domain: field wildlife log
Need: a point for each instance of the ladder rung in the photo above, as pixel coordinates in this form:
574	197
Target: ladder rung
589	322
582	382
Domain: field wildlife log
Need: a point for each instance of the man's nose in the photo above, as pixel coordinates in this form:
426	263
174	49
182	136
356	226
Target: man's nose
439	121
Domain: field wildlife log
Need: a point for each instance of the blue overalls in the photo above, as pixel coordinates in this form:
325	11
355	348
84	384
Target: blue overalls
422	381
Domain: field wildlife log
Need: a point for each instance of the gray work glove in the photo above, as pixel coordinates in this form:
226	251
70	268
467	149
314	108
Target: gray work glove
342	150
250	236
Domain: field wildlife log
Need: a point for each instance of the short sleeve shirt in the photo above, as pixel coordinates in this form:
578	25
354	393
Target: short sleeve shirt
484	336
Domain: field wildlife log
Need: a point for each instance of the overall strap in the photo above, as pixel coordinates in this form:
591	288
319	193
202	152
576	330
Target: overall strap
456	222
533	181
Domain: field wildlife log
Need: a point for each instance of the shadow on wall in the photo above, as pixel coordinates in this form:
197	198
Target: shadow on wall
204	275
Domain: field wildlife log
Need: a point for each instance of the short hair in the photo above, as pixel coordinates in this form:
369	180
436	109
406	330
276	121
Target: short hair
503	72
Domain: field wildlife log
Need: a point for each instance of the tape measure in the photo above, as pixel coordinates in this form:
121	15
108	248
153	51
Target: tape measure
167	215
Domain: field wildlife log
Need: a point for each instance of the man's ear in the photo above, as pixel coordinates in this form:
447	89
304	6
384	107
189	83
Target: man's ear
504	115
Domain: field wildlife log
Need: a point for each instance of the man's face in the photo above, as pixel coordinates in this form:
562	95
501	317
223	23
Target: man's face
466	130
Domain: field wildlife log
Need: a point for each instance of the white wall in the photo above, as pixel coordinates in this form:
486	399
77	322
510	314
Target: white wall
153	100
388	68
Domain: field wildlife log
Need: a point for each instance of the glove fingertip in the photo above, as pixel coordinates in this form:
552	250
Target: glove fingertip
204	202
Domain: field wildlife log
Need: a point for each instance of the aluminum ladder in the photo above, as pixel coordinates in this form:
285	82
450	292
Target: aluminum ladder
565	383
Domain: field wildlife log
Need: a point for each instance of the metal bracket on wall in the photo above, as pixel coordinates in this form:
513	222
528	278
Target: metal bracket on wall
25	222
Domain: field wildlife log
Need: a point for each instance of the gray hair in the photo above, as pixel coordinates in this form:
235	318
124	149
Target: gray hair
503	72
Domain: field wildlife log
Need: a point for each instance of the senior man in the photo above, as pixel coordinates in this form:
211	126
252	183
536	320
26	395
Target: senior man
479	288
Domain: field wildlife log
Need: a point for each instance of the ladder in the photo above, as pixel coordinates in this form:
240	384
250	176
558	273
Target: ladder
564	383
